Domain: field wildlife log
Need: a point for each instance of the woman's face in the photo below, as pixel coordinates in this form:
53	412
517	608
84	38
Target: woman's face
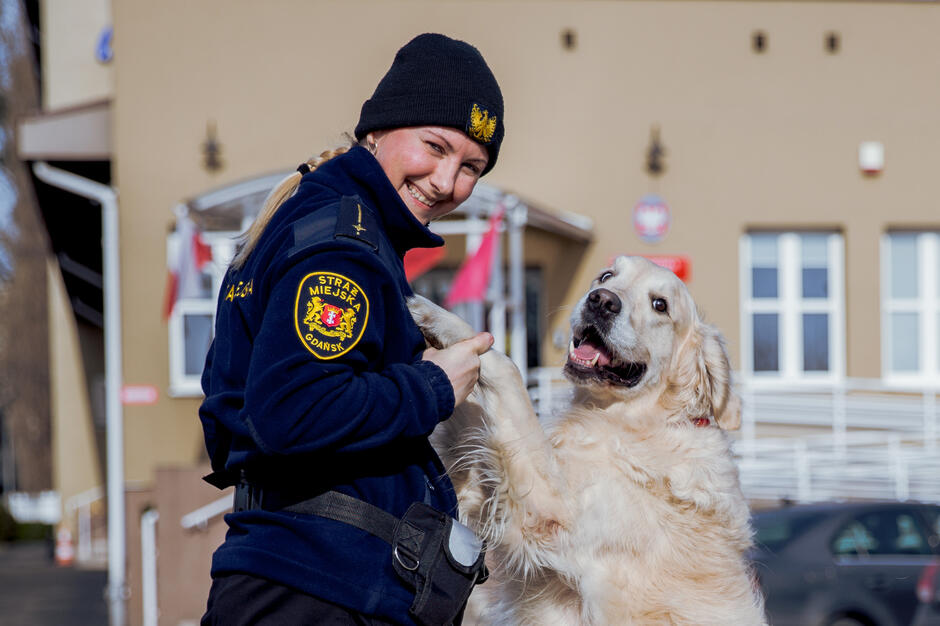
434	168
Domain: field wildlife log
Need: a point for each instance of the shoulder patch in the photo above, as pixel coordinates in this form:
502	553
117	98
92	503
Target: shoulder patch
356	221
330	314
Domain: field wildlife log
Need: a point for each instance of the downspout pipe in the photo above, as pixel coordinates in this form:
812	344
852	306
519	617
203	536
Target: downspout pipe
106	196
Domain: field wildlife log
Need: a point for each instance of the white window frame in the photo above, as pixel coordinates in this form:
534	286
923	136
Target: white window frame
223	248
790	305
926	305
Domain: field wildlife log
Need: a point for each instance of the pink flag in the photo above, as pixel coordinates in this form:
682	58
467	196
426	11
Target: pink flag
474	275
185	270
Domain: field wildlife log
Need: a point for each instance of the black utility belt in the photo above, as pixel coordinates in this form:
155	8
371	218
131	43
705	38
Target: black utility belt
436	556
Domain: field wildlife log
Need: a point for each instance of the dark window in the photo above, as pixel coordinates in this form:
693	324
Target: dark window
764	282
882	533
815	342
814	250
775	529
815	282
197	334
766	342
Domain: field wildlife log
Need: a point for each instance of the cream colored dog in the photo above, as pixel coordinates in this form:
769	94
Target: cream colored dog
625	509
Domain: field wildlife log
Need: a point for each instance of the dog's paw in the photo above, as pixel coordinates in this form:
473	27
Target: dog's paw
440	327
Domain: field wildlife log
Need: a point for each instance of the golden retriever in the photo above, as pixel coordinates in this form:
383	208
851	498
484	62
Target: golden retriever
626	508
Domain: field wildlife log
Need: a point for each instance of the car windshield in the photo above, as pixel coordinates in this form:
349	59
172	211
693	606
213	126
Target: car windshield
774	529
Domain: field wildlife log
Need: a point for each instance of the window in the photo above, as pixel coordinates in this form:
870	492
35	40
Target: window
775	529
910	329
882	533
932	513
192	323
792	323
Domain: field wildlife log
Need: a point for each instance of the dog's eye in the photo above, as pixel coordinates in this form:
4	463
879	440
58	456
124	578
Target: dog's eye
603	277
659	304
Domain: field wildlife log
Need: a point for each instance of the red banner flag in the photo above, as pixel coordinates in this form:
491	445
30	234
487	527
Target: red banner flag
192	255
420	260
474	275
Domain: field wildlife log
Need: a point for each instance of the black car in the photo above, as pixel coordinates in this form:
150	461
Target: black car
849	564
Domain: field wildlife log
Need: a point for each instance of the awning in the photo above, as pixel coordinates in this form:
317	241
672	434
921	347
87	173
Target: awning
80	133
487	199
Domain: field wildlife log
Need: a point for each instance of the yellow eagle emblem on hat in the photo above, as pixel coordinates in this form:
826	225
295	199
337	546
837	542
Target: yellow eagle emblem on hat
482	126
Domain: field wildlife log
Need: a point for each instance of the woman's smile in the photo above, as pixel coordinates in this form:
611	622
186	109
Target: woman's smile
434	168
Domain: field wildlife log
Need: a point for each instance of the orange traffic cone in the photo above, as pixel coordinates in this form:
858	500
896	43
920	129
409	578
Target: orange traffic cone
64	552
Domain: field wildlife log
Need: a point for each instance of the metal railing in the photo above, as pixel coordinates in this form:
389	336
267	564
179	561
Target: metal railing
201	517
80	505
859	439
862	465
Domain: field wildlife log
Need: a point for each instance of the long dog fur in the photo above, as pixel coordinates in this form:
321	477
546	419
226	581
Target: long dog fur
621	510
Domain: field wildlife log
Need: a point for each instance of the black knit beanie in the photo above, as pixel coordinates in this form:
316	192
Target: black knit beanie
438	81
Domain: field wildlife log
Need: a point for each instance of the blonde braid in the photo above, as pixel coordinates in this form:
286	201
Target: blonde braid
284	190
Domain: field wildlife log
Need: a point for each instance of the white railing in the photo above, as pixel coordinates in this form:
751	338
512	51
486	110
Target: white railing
80	505
863	465
201	517
858	439
44	507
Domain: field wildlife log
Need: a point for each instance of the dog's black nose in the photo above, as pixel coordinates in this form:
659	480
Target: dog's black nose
604	302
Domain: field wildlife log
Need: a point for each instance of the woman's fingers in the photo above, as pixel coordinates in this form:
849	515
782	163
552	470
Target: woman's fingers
461	363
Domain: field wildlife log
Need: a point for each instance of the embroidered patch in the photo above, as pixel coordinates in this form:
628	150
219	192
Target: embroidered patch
239	290
330	314
481	126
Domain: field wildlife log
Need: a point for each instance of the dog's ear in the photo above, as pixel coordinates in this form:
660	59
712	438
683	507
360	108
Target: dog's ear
725	403
701	382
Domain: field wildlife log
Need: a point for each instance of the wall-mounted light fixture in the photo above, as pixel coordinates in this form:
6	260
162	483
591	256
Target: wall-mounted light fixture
759	41
655	152
211	149
569	39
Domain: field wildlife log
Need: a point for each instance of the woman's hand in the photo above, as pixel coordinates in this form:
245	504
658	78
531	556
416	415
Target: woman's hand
461	363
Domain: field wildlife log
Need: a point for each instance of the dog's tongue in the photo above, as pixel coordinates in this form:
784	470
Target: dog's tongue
587	351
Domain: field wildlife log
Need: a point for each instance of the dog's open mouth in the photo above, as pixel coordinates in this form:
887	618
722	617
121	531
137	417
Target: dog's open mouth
590	358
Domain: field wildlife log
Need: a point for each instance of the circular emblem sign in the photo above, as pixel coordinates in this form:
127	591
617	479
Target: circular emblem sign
330	314
651	218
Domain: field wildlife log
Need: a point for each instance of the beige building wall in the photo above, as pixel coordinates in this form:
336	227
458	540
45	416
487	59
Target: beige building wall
752	140
70	30
75	463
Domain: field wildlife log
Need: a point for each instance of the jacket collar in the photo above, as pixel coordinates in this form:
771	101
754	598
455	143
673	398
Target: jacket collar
357	173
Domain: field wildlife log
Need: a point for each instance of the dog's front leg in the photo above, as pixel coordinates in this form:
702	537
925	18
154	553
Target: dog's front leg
525	512
502	462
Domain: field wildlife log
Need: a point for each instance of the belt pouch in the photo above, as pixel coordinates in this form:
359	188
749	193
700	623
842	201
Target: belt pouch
440	559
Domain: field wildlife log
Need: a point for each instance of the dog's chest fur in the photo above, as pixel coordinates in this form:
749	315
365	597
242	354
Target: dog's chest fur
657	493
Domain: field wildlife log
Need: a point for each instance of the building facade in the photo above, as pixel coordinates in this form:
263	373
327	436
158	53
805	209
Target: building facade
783	152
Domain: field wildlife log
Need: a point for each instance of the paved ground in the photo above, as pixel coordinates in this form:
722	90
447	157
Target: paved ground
34	592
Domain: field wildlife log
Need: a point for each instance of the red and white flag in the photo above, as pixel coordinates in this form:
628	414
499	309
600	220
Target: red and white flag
192	255
473	277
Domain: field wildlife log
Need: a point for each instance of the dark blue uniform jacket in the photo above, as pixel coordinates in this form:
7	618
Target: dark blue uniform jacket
315	381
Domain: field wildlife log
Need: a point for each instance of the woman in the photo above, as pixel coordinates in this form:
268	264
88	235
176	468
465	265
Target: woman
320	390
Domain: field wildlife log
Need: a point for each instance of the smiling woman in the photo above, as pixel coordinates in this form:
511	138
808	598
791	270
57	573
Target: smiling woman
320	390
433	168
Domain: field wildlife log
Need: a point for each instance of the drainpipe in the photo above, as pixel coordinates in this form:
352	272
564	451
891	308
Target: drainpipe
107	198
148	566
